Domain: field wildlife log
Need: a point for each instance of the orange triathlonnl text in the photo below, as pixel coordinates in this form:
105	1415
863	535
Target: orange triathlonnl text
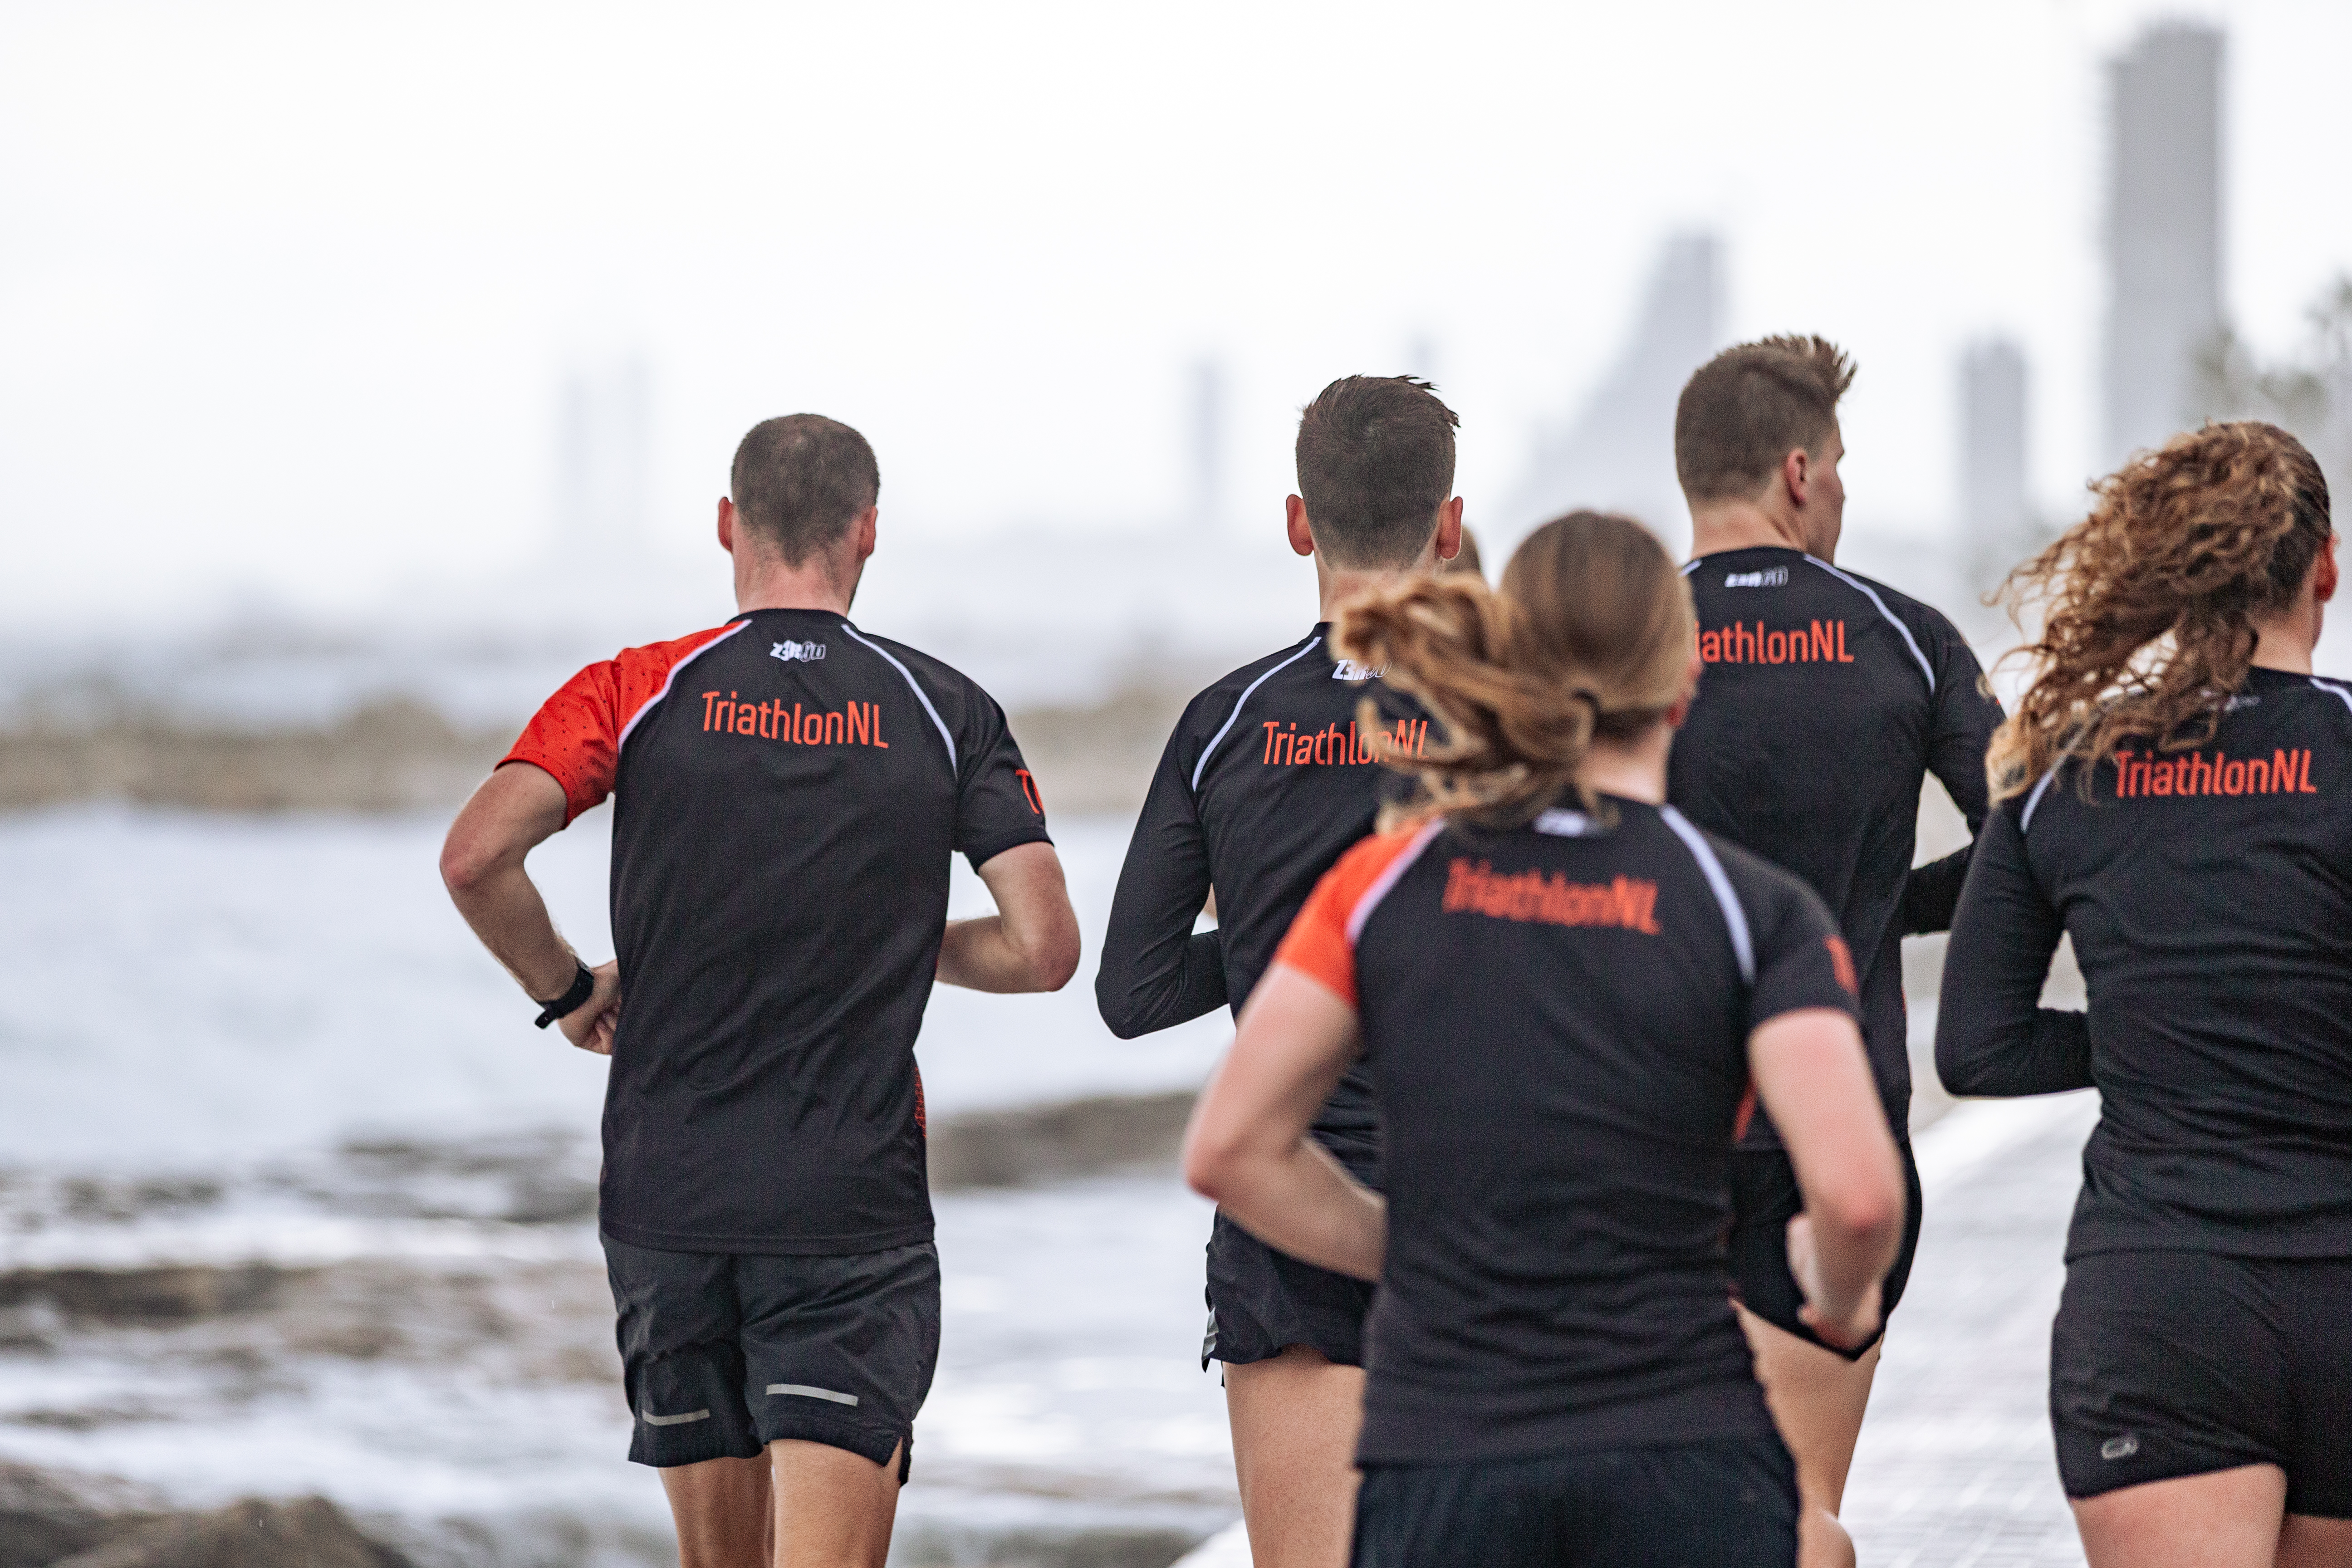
1623	901
861	725
1823	642
1295	748
2282	773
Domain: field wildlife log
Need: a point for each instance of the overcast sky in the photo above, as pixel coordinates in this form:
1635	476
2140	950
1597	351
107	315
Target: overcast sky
286	293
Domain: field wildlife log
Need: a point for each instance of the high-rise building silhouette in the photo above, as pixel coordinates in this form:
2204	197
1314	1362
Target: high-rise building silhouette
2163	234
1618	453
604	457
1205	441
1996	518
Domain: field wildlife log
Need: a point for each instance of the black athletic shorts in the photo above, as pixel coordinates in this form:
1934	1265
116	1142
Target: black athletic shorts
1764	1199
1262	1301
1693	1505
725	1353
2181	1364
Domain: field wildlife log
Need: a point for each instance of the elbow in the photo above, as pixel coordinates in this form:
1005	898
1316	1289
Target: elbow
1209	1167
467	865
1053	965
1869	1212
1120	1014
1958	1067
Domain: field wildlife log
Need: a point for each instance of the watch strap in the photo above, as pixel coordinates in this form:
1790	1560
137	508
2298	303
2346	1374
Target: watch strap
583	985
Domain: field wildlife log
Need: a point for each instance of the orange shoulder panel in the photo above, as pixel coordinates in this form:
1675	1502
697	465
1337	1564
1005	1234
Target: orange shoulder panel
575	737
1318	945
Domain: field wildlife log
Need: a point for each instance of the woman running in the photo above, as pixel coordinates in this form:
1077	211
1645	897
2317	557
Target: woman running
1562	993
2172	795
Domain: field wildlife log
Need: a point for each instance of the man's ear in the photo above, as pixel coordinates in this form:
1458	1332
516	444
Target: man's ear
727	524
864	528
2324	577
1797	476
1449	530
1302	533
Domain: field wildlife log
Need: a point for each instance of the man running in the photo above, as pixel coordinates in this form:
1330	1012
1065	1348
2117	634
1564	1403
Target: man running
1827	700
1267	778
790	791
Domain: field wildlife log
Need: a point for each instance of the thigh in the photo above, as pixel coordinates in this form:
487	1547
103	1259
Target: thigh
1262	1302
2223	1518
2164	1365
1295	1419
834	1507
681	1357
840	1351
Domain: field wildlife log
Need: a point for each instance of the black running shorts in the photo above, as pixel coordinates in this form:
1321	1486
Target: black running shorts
725	1353
1764	1199
1733	1500
2181	1364
1262	1301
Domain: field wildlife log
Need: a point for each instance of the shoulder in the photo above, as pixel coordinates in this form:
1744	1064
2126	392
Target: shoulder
934	678
635	676
2335	699
1361	876
1218	702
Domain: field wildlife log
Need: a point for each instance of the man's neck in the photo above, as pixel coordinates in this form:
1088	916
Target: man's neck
768	584
1741	525
1334	586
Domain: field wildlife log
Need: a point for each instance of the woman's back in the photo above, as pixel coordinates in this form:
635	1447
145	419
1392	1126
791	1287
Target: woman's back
2209	895
1556	1022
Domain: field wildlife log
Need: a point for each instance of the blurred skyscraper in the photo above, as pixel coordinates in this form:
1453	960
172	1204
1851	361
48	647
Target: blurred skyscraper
604	457
1996	518
1619	454
2163	234
1206	444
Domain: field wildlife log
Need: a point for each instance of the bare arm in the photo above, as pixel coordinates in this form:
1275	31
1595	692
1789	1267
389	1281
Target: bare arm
1031	943
1815	1083
1247	1146
517	809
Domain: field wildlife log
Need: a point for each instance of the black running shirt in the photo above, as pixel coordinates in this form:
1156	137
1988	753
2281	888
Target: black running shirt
1265	781
1556	1020
2209	896
790	790
1826	702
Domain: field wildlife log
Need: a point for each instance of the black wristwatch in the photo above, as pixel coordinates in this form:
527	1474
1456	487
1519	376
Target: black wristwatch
583	985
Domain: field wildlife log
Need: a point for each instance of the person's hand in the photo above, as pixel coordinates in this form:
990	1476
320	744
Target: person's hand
1843	1329
590	1025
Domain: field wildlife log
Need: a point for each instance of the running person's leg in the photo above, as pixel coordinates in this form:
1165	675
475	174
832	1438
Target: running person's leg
723	1514
1291	1338
1817	1398
1295	1418
834	1508
2198	1402
1817	1395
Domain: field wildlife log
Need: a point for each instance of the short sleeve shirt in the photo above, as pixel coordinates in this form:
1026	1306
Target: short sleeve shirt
1556	1023
789	790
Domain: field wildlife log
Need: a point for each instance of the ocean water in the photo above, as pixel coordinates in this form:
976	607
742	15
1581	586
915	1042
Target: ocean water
190	991
293	1199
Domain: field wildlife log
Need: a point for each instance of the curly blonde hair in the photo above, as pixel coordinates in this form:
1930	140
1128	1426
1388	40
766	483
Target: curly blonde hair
2149	603
1591	634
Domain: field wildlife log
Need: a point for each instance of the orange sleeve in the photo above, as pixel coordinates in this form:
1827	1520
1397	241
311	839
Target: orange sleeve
1318	945
575	736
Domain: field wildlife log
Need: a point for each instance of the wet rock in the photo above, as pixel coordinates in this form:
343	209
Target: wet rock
311	1532
47	1517
169	1294
1079	1138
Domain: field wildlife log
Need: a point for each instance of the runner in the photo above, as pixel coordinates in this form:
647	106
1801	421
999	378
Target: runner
2172	796
1268	777
791	788
1561	989
1828	700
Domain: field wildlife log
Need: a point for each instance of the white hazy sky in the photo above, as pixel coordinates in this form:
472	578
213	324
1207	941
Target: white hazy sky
287	291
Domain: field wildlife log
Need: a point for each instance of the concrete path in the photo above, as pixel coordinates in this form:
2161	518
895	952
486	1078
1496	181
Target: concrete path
1956	1468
